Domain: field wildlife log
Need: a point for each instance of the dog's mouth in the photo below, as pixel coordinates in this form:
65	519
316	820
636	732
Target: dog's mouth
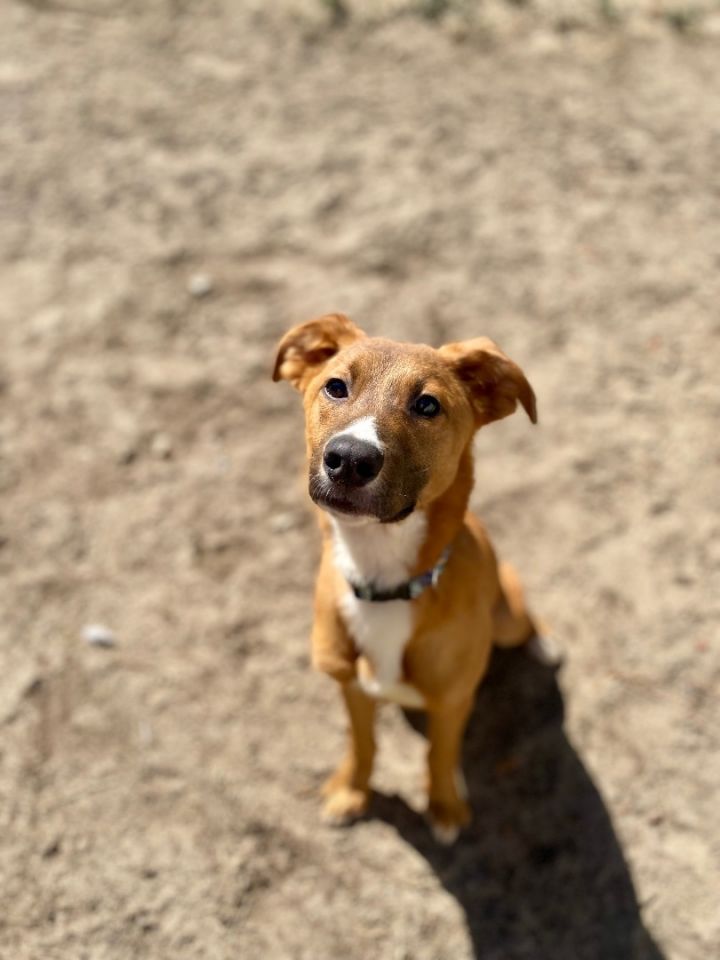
350	502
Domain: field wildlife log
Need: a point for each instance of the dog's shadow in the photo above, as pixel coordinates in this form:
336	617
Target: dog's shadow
540	874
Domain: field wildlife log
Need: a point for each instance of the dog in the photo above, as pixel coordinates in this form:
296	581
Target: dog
410	598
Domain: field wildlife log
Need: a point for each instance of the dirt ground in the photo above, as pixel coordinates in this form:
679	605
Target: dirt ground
180	183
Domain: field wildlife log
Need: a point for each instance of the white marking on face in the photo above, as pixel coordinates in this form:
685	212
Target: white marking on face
381	554
363	429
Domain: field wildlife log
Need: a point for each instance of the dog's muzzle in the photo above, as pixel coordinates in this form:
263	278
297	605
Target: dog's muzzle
351	462
352	476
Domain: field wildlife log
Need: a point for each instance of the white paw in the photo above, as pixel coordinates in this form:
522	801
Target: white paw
545	651
337	820
461	784
445	833
370	687
344	806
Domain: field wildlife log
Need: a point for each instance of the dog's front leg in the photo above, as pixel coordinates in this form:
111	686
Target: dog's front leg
447	807
333	651
347	792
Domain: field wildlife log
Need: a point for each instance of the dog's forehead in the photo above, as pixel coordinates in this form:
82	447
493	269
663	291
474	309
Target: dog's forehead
376	360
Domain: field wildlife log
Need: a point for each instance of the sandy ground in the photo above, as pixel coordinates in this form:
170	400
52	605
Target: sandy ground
551	184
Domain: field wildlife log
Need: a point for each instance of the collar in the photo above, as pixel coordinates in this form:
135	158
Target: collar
409	590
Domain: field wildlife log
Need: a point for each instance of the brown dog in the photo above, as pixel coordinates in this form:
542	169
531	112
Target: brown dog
410	598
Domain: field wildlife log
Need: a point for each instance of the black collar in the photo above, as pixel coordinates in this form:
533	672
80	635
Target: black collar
409	590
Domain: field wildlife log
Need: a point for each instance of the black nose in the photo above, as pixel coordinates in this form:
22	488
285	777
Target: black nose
352	461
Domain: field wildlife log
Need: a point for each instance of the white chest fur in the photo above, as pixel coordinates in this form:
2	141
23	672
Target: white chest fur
382	554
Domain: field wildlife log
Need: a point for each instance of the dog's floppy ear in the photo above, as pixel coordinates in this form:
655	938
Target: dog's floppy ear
307	347
494	383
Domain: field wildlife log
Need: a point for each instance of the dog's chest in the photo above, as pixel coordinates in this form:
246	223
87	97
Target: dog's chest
382	555
381	631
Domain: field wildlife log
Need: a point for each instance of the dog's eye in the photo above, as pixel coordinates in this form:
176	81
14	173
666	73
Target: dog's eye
426	406
335	388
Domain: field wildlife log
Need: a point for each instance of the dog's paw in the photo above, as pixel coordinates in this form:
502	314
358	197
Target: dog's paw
448	819
545	651
444	833
343	805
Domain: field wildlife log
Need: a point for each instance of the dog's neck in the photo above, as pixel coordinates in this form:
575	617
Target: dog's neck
388	554
383	554
445	515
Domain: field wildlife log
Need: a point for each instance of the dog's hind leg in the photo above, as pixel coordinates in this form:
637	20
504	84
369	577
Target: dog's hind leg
347	792
448	809
513	624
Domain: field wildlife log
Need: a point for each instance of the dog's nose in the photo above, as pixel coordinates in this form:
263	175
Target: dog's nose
352	461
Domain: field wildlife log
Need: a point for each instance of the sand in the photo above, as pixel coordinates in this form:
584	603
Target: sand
179	183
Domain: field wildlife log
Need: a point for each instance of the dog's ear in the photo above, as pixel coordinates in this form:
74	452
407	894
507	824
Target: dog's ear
494	383
307	347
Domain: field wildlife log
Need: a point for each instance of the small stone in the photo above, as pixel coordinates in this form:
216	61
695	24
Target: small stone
545	42
456	27
282	522
161	446
200	285
145	733
711	25
127	454
51	849
33	687
98	636
47	322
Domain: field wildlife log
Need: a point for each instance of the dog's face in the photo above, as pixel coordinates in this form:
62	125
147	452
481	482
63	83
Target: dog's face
386	422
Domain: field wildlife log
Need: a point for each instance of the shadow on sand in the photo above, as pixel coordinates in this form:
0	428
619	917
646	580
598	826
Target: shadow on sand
540	873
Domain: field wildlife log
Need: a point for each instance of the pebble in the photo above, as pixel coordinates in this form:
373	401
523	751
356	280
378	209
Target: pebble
711	25
546	42
145	733
200	285
98	636
282	522
161	446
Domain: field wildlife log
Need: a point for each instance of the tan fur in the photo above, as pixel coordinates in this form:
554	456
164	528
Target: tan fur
476	602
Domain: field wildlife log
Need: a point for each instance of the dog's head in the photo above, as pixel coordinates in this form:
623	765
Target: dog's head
386	422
